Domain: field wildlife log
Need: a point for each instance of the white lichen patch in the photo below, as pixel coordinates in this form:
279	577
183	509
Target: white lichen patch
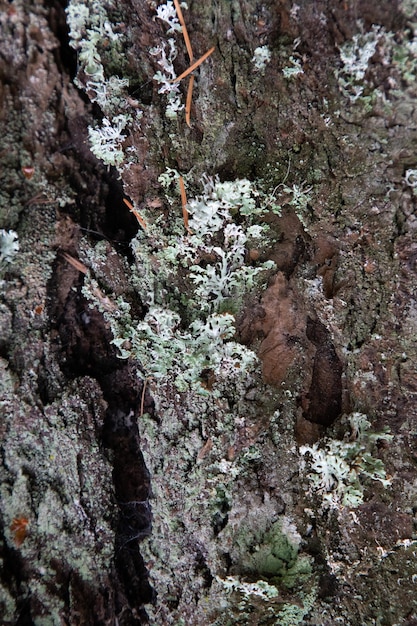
410	179
165	54
93	35
107	140
337	469
168	14
367	51
261	57
294	69
355	56
9	246
89	30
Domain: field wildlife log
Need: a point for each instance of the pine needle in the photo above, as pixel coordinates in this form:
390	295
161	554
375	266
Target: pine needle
75	263
135	213
184	30
189	100
193	66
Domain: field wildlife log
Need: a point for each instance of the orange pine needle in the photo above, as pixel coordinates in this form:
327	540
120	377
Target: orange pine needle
75	263
193	66
135	213
184	205
189	100
128	204
184	30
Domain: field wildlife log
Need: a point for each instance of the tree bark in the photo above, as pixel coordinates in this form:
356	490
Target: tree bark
281	490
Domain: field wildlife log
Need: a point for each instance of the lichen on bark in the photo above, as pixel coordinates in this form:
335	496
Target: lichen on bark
238	535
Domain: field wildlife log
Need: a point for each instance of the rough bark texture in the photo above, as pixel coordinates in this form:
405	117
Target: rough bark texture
128	499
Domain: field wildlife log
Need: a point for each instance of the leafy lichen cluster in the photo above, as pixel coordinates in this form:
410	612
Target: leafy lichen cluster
99	43
9	247
204	384
192	287
337	469
361	55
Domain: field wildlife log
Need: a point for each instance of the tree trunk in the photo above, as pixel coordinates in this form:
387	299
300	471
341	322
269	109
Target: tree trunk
208	313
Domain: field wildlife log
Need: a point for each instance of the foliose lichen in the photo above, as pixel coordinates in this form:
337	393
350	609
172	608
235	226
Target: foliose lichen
337	469
261	58
9	247
361	56
96	38
193	278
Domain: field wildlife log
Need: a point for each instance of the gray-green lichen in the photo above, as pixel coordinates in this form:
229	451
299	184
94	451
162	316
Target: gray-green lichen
204	387
202	444
100	43
188	280
47	479
337	468
363	59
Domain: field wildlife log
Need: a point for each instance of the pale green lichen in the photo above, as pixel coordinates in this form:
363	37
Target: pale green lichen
263	601
229	275
187	329
93	35
273	554
186	349
261	588
300	198
165	54
261	57
9	247
90	30
337	470
409	8
168	353
168	14
107	140
355	56
294	69
367	50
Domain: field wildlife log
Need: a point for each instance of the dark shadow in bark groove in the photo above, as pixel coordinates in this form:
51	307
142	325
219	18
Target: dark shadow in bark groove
13	565
84	348
325	395
65	57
